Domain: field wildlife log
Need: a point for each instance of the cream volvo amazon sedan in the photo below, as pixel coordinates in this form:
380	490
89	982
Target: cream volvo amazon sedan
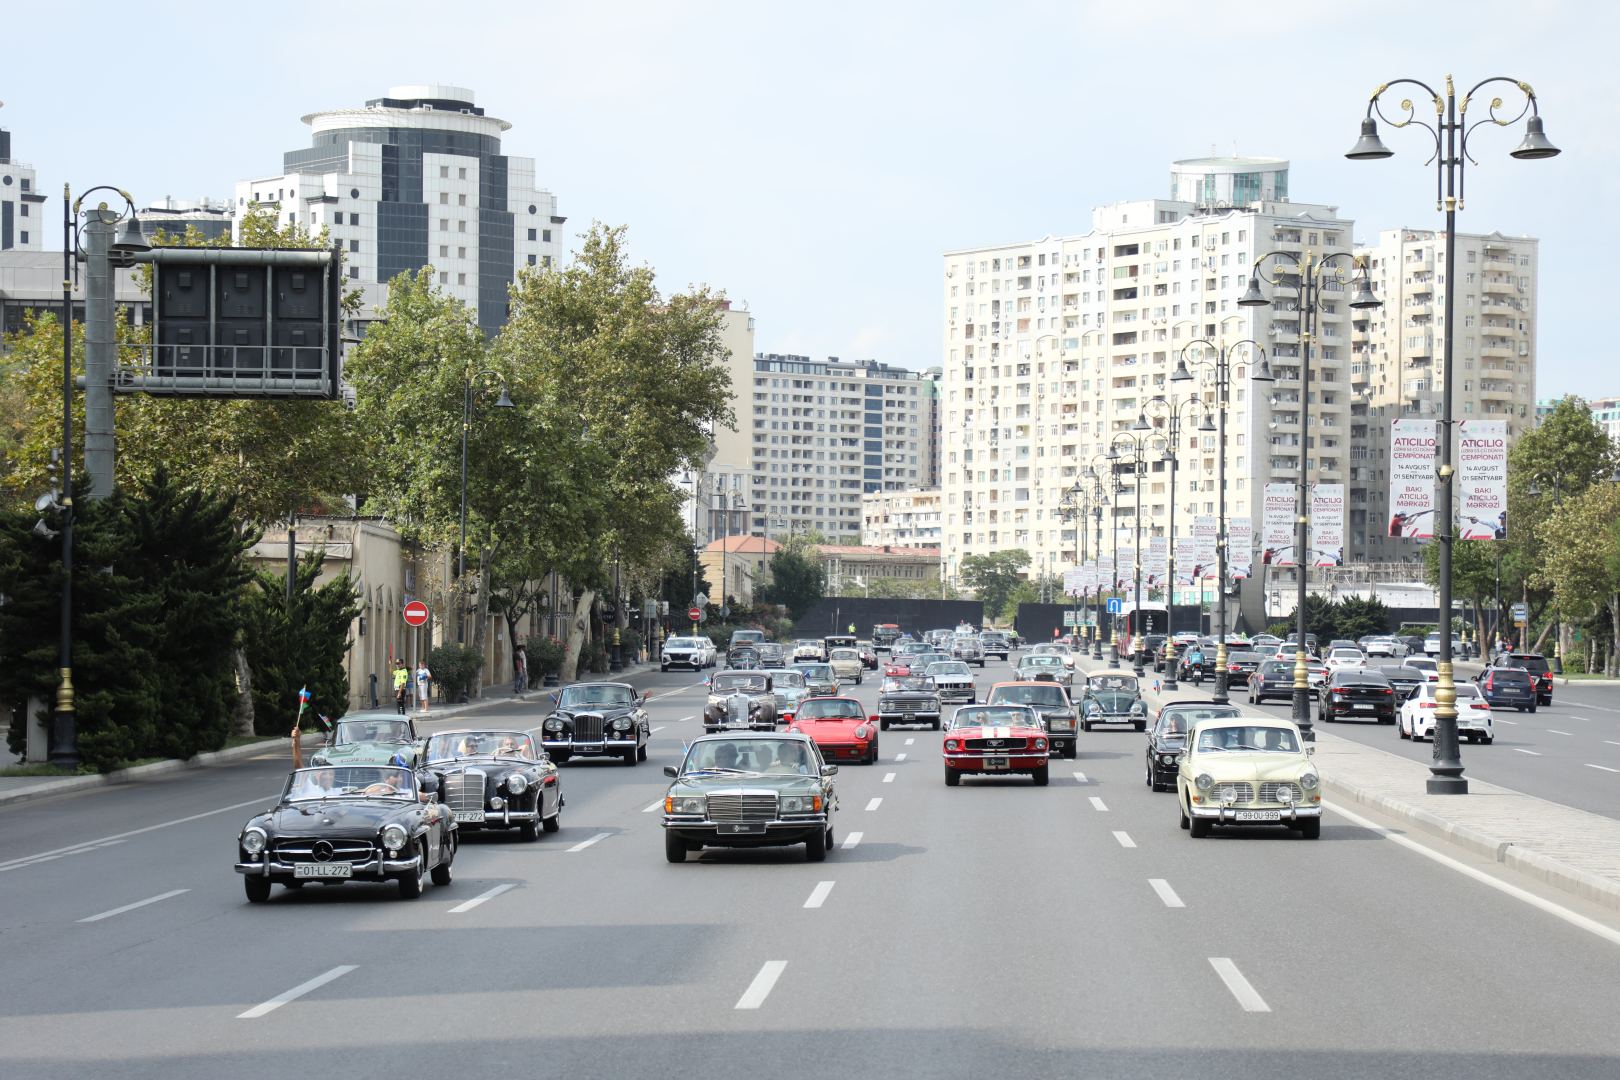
1242	770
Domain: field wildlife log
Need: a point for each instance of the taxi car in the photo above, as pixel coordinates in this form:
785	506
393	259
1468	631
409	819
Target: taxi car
1246	770
1032	664
846	664
953	680
600	719
495	779
750	789
1475	722
1112	699
840	728
995	739
1051	703
740	699
370	741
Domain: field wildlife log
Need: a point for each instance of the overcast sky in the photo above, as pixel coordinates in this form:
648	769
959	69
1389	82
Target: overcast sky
814	160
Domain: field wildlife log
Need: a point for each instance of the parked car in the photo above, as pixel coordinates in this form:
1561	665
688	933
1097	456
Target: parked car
1402	677
739	699
1051	704
496	779
1240	665
1246	771
846	665
1510	686
788	796
840	729
1474	719
953	680
908	699
1112	699
1272	679
995	739
1355	692
601	719
370	741
1167	738
349	823
1537	666
696	653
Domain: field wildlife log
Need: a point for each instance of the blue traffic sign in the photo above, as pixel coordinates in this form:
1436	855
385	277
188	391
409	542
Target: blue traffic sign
1116	605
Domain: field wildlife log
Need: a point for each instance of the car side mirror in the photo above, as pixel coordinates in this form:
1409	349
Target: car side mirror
874	718
1310	751
829	770
671	771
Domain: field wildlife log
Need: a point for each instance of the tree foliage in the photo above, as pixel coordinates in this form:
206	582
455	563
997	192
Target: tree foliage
993	577
298	646
797	580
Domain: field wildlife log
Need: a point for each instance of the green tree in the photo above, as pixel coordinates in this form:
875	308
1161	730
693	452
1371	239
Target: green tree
1355	617
992	577
289	648
1023	591
1581	552
797	581
1321	619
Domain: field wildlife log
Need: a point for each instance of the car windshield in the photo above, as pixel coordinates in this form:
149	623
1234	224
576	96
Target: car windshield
727	683
948	667
382	731
1112	682
756	757
1242	657
747	637
831	709
351	782
450	745
1278	667
1044	694
908	684
1346	654
596	694
1393	672
844	654
1051	647
787	679
1248	737
1359	678
807	643
1533	664
681	643
995	716
1045	660
1510	675
1423	664
820	672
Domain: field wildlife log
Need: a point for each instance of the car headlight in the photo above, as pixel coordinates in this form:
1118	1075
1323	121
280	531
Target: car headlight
1167	759
516	784
554	725
1040	744
795	804
496	802
685	804
1229	795
1060	723
1137	709
622	724
394	837
253	839
951	744
1309	781
1285	794
863	732
1204	781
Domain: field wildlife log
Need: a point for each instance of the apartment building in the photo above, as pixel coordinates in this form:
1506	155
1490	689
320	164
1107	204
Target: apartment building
902	519
417	178
1400	351
1606	411
22	207
825	433
1054	347
210	218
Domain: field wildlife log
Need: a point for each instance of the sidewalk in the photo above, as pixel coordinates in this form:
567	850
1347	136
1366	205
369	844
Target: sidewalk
1571	850
15	789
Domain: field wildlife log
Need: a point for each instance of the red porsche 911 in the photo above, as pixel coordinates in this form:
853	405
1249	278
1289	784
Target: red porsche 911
840	728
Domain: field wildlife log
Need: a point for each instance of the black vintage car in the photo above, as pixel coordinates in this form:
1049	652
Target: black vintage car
744	639
744	658
492	779
349	823
1168	737
603	719
1112	699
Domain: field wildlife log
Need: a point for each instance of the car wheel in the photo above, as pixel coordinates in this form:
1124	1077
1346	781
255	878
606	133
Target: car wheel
1532	708
830	843
1185	821
561	757
1140	725
1487	740
934	725
554	822
1151	785
1199	827
815	848
1085	725
257	888
410	886
630	757
674	847
441	873
664	668
1400	729
641	752
952	778
883	724
1310	828
1042	776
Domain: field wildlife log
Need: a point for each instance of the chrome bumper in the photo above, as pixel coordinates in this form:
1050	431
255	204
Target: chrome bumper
371	869
1229	813
587	747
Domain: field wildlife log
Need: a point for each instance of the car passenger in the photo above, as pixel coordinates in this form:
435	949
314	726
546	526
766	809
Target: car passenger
790	758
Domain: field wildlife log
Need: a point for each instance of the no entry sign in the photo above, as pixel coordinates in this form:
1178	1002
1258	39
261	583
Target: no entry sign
695	614
416	613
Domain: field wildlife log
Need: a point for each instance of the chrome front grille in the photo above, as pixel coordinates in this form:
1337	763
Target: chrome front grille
1269	790
997	745
588	727
1241	792
328	850
464	791
742	807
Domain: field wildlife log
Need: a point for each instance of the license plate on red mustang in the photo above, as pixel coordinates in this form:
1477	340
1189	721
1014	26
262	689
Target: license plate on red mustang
995	762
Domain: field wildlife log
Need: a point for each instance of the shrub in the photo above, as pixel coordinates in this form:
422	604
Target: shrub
454	667
593	657
545	656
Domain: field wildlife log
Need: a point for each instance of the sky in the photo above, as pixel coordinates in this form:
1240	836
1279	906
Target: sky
813	161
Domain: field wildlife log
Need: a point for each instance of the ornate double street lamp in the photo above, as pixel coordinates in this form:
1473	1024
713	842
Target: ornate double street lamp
1072	511
1099	499
1449	134
1219	358
1312	277
1103	492
1160	406
1135	439
505	402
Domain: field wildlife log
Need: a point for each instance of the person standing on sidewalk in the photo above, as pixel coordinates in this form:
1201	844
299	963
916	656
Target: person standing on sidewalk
424	687
520	670
402	685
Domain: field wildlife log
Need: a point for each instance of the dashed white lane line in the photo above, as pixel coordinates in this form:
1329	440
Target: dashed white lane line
1238	985
1605	768
1555	731
1515	723
875	803
136	904
672	693
1097	804
660	727
888	777
1080	778
910	741
106	841
899	758
659	805
583	844
1166	893
1611	742
818	895
760	988
1522	750
1124	839
490	894
296	992
851	840
684	719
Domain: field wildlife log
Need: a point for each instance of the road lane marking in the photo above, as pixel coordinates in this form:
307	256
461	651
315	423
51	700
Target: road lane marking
1166	893
1515	723
888	778
1605	768
480	898
1522	750
1611	742
760	988
672	693
1124	839
1555	731
818	895
660	727
1238	985
296	992
899	758
659	805
684	719
874	804
583	844
851	840
1575	919
910	741
1080	778
137	904
74	849
1097	804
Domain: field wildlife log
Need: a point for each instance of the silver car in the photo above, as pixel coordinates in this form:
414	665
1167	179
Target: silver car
966	648
953	681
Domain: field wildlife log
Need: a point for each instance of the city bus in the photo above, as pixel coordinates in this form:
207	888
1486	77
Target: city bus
1149	619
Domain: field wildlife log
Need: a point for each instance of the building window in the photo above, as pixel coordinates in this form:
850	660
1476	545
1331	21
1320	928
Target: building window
461	226
24	238
461	200
24	209
532	260
444	278
444	224
354	272
444	198
444	251
444	172
354	247
461	253
534	234
545	234
461	173
354	219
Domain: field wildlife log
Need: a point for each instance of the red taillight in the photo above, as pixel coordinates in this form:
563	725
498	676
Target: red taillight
1480	705
1233	667
1386	690
1340	690
1427	704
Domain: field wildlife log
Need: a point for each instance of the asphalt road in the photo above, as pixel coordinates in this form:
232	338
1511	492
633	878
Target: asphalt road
994	928
1568	752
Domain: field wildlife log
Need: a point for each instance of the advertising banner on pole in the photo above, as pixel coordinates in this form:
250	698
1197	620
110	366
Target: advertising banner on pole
1482	479
1088	575
1277	526
1240	547
1186	561
1157	566
1327	525
1204	532
1125	569
1073	582
1411	478
1105	571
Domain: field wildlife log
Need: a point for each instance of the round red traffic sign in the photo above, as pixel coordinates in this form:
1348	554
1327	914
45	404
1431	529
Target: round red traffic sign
416	613
695	614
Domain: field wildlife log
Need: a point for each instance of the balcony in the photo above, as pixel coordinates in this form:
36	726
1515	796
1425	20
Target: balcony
1499	285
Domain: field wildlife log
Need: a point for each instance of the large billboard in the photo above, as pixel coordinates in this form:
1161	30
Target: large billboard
1240	547
1327	525
1412	445
1482	479
1277	526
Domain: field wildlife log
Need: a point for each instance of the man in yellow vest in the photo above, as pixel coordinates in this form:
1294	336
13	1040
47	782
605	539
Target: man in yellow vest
402	685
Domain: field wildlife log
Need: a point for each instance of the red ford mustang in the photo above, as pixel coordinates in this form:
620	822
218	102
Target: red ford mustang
995	739
840	727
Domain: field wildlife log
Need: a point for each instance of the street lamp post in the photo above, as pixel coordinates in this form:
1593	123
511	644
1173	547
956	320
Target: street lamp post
1314	274
1138	444
1173	411
1221	362
1099	499
505	402
1450	134
1071	508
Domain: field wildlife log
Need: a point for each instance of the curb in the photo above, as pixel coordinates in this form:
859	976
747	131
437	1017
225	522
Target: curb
68	784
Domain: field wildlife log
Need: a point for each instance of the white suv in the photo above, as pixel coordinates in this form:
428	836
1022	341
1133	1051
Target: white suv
696	653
